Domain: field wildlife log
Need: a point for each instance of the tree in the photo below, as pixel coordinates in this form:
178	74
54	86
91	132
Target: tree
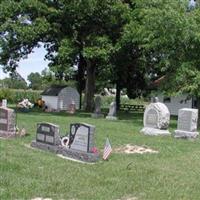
168	35
35	80
69	29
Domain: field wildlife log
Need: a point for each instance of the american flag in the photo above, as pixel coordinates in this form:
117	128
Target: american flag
107	150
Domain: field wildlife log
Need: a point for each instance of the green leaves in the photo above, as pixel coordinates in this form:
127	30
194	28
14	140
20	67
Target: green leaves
99	48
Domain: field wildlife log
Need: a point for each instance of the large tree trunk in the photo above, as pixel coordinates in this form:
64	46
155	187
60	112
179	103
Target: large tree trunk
118	90
90	87
81	81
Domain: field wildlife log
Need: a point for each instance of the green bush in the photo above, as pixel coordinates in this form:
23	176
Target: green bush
14	96
6	94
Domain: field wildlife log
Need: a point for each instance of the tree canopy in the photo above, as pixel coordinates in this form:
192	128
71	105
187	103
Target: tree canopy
126	42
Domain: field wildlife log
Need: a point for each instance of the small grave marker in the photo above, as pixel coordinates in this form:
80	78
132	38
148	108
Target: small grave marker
187	123
7	122
97	112
112	112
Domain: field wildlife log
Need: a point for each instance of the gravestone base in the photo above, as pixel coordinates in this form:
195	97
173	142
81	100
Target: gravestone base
7	134
111	118
185	134
154	131
78	155
97	115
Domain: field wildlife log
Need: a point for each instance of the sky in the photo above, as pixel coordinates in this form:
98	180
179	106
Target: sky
34	63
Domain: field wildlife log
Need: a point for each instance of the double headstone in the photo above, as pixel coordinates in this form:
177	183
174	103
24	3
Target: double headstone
48	133
81	144
156	119
7	122
97	112
47	137
112	111
187	123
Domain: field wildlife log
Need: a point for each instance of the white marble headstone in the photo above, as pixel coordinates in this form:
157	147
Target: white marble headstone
156	119
112	111
187	123
4	103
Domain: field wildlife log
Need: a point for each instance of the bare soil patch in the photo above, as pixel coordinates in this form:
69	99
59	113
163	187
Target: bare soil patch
130	149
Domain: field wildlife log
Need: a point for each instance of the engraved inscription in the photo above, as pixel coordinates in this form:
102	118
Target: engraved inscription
3	121
184	121
45	129
40	137
49	139
81	139
152	118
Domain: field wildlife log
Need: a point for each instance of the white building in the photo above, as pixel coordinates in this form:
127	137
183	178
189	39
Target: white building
60	97
177	102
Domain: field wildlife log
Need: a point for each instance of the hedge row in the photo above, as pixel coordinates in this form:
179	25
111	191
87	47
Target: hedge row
15	96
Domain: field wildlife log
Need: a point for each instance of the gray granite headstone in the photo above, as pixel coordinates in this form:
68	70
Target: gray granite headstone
187	123
156	119
82	137
7	122
48	133
112	111
97	112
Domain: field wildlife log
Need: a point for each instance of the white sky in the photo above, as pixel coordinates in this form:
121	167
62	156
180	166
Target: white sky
34	63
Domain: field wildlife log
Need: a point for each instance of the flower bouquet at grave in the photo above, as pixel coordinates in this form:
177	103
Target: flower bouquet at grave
25	105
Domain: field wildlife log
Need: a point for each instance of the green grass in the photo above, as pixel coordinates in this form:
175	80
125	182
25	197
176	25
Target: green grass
173	173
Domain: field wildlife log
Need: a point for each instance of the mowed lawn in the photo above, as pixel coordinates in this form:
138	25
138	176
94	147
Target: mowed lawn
173	173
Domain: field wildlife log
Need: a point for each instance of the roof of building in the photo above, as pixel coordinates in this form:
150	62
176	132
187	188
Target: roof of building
54	90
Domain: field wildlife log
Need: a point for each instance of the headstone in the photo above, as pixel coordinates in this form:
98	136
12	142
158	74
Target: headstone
7	122
79	145
112	112
187	123
156	119
72	107
48	133
82	137
97	112
4	103
154	100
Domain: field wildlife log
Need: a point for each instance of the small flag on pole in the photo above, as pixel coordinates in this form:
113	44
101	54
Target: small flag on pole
107	150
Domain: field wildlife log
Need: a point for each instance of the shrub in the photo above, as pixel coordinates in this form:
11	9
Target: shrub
15	96
6	94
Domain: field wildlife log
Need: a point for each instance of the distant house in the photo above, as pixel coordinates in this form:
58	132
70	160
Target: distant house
174	103
60	97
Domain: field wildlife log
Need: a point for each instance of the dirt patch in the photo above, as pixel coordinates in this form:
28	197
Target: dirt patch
129	149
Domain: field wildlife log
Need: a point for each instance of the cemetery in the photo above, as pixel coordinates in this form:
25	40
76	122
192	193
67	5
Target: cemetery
99	100
82	137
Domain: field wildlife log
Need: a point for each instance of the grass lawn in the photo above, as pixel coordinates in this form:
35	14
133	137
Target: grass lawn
173	173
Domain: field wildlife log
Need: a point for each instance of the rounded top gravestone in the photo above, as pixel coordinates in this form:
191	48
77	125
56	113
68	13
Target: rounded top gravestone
157	115
97	103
